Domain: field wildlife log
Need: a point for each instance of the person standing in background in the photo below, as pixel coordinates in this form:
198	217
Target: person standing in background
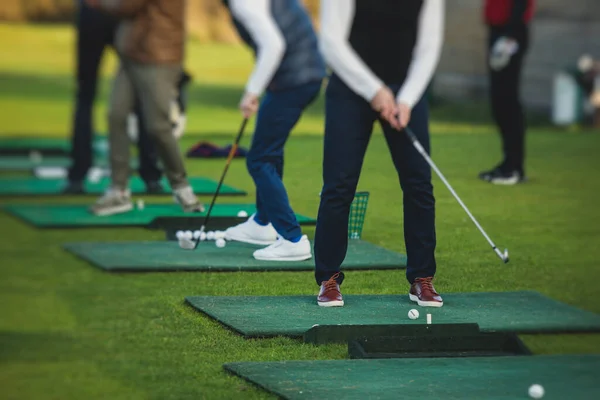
383	55
508	25
95	31
289	69
150	42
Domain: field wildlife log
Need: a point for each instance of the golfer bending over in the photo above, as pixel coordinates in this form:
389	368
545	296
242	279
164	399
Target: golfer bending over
289	70
383	55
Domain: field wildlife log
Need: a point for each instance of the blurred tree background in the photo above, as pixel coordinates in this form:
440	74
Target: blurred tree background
207	20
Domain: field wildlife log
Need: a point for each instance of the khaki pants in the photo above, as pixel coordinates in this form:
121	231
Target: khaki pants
155	86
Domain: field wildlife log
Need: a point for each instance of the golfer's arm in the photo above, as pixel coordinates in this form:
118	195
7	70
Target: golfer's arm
426	53
256	17
336	22
122	8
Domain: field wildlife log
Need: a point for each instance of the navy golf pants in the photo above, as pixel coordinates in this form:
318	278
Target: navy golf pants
278	114
349	123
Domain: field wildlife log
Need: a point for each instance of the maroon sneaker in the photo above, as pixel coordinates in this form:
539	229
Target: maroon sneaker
329	295
423	292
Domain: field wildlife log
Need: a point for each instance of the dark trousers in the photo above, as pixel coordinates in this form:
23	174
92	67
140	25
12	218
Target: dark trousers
95	31
278	114
506	102
349	123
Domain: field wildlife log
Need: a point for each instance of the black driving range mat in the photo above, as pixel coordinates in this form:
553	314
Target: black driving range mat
562	377
522	312
168	256
78	216
44	187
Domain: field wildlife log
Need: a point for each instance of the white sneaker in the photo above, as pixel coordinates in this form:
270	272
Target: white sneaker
284	250
188	201
251	232
114	201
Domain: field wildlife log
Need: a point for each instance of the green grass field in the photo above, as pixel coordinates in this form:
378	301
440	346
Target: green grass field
69	331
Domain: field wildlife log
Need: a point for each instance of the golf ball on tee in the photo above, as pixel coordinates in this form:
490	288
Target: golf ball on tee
220	243
413	314
242	214
210	235
536	391
180	234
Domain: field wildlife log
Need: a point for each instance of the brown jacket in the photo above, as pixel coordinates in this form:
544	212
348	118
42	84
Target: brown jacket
150	31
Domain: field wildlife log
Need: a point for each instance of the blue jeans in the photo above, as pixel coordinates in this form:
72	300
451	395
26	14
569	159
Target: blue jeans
278	114
349	123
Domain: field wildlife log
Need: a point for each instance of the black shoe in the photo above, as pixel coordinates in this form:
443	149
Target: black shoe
73	187
154	187
498	176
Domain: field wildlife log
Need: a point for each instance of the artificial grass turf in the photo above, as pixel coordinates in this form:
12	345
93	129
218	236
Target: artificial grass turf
78	216
517	312
563	377
53	187
73	332
166	256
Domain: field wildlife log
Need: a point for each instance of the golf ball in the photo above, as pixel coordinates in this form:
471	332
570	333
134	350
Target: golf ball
189	234
413	314
210	235
180	234
219	235
35	156
203	236
197	234
536	391
140	204
242	214
220	243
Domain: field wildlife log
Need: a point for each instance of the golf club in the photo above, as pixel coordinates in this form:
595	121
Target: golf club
420	149
191	244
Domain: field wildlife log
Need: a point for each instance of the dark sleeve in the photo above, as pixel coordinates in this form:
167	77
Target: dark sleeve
517	15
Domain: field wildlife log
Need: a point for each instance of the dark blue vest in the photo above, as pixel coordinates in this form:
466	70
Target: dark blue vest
302	62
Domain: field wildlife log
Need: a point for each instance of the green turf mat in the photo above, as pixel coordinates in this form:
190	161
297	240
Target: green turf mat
77	215
26	144
37	187
562	376
25	163
531	312
167	256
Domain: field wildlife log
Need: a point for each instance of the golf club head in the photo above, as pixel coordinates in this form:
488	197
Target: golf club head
187	244
505	256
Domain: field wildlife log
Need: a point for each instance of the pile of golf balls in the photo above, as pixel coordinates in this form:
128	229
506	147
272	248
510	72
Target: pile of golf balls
217	236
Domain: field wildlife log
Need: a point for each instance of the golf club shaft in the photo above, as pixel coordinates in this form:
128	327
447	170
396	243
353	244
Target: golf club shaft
420	149
232	152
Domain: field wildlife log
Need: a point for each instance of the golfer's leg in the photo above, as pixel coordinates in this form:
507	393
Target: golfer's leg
348	125
147	154
419	203
278	114
90	46
156	87
121	104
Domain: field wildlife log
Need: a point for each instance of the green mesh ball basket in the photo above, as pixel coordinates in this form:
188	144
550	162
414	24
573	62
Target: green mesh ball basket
358	210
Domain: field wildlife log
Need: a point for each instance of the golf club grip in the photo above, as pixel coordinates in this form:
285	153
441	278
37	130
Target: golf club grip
229	158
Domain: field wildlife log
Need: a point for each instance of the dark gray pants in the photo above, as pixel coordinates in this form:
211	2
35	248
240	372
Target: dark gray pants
156	87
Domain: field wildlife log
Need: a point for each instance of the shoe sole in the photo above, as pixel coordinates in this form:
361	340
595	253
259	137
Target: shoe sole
114	210
414	298
505	182
249	240
294	258
335	303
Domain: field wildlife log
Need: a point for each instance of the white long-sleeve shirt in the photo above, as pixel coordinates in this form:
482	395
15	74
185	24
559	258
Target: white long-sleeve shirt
336	22
255	16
